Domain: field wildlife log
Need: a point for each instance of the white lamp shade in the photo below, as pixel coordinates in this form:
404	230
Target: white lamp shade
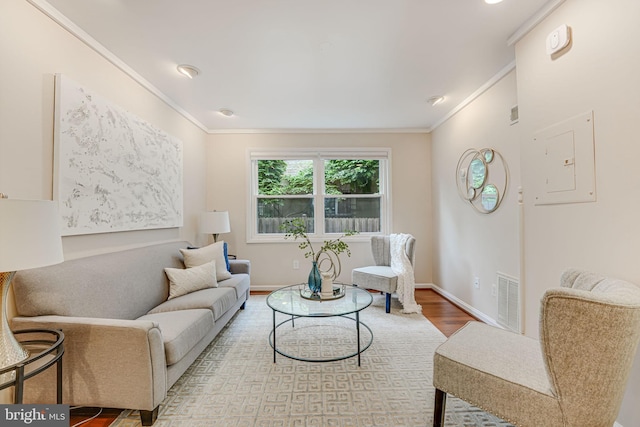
29	234
215	222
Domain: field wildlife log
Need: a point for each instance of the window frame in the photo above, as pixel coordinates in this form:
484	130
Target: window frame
318	156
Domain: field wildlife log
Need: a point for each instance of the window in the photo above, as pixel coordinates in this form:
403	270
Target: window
332	191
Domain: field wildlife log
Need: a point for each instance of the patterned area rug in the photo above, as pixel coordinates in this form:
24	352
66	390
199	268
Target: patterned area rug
235	383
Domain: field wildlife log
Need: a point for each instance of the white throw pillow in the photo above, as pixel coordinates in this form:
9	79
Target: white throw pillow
212	252
183	281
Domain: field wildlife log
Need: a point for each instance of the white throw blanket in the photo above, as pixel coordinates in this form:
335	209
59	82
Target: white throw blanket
401	265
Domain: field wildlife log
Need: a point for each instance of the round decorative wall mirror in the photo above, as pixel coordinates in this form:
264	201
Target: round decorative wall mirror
477	173
488	155
476	185
489	197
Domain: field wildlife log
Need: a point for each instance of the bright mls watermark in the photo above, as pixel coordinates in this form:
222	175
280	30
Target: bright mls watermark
34	415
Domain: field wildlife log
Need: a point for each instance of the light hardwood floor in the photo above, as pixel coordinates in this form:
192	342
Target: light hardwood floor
446	316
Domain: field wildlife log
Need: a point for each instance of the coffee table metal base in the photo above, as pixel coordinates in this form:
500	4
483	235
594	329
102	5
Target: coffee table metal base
359	350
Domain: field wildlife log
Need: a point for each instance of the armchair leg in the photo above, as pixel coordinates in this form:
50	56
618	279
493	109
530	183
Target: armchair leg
388	303
439	408
147	418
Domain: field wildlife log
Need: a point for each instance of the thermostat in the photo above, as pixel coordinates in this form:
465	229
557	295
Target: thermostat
558	39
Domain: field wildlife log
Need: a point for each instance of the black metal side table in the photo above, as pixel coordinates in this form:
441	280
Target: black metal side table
39	348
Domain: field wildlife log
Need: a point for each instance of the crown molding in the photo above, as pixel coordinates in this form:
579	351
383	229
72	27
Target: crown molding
482	89
53	13
316	131
46	8
524	29
537	18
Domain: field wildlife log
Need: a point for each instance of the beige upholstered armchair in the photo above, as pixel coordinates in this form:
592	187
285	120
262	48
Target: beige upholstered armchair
381	277
574	376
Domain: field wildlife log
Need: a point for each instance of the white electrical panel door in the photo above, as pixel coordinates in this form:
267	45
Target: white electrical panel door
560	152
564	156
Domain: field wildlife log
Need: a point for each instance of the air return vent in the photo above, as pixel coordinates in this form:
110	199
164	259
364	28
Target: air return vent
509	302
514	116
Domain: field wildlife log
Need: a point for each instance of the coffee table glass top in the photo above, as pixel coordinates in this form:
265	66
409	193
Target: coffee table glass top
288	300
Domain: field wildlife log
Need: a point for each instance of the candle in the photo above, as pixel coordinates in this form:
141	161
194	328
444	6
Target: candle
326	287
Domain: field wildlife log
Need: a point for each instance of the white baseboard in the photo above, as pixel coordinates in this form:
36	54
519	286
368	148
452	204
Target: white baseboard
264	288
464	306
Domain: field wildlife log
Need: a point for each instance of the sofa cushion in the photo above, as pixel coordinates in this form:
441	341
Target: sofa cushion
183	281
239	282
119	285
226	255
181	330
212	252
217	300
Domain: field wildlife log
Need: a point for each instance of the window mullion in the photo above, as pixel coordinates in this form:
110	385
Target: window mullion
252	224
318	192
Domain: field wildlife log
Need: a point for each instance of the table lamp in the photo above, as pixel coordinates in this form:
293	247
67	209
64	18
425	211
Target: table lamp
215	223
29	238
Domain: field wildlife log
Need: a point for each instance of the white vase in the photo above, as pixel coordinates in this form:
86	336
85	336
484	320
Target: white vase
326	288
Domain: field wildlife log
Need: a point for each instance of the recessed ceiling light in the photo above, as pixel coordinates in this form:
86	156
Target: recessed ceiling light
188	70
225	112
492	1
435	100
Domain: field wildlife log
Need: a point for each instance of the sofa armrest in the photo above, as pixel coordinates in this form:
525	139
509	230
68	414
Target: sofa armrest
109	363
239	266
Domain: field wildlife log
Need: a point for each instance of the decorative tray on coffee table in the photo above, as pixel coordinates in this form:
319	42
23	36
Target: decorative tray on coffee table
338	292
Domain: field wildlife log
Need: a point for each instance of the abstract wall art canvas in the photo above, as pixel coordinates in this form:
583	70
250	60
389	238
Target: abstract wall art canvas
112	170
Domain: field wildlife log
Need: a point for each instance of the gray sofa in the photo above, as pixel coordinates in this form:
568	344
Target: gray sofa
125	343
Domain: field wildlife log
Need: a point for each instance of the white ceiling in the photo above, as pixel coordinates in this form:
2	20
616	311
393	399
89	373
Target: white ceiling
306	64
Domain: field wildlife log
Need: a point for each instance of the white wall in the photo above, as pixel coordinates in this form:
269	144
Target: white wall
271	263
469	244
599	72
33	48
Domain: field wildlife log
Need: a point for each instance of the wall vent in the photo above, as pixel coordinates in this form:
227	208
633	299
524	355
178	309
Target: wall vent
509	302
514	116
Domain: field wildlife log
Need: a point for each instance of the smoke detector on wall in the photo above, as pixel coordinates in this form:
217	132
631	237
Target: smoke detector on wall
558	39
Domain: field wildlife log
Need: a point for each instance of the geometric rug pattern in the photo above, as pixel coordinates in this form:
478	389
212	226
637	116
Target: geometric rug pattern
234	382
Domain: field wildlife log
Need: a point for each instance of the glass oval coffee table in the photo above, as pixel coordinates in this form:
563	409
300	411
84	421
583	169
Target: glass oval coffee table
296	302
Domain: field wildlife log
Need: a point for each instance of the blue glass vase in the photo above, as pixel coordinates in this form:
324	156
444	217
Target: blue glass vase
315	280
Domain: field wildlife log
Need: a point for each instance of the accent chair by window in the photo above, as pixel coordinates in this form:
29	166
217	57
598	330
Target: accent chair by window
381	277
